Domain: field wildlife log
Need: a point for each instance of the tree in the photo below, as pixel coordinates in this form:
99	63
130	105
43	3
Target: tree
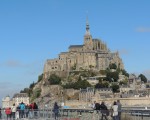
113	66
110	75
124	72
40	77
124	82
77	85
103	84
115	88
37	92
143	78
32	85
54	79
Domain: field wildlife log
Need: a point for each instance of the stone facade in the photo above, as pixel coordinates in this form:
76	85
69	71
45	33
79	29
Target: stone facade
21	97
6	102
86	94
93	54
17	98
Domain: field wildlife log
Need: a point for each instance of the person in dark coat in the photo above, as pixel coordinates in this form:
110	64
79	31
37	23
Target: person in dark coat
56	110
35	108
119	109
104	111
0	113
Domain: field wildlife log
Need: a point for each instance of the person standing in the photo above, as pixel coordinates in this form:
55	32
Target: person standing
96	107
0	113
8	113
35	109
115	111
13	109
104	111
119	109
56	110
31	106
22	108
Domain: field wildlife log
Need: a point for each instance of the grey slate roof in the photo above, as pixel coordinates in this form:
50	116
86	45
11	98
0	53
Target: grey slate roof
76	46
20	95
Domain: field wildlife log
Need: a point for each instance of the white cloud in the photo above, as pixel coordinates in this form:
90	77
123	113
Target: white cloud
123	52
13	63
143	29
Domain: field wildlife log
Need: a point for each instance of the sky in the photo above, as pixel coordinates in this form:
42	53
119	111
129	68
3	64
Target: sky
32	31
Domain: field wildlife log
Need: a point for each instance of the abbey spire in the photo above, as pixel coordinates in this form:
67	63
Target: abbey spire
87	37
87	27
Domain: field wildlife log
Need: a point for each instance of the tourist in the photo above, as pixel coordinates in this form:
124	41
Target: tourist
13	109
119	109
31	110
56	110
17	114
26	111
115	111
104	111
8	113
0	113
96	106
35	109
22	108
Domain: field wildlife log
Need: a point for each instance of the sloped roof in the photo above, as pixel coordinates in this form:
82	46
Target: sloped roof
20	95
76	46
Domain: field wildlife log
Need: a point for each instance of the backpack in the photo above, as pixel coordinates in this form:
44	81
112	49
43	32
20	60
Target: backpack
22	107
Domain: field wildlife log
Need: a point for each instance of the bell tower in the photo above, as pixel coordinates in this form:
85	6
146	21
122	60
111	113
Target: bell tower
87	37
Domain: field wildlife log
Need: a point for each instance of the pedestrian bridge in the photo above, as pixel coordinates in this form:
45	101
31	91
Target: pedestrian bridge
79	114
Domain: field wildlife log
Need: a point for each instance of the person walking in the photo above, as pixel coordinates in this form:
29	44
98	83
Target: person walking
119	109
56	110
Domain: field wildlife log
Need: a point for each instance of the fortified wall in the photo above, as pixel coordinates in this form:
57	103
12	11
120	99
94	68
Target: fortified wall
124	101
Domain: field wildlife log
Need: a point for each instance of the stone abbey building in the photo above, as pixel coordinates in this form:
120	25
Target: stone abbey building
92	54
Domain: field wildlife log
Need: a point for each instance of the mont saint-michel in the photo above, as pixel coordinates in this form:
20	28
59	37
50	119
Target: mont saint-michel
85	75
94	54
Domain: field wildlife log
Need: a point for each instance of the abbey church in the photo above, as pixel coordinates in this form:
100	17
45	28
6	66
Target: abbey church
92	54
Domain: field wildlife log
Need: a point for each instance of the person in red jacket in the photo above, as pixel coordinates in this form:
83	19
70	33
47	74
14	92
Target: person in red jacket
8	112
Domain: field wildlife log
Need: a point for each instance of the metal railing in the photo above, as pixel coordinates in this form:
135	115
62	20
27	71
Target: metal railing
76	114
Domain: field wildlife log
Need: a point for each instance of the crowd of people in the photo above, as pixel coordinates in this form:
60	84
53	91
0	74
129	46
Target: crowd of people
114	111
30	111
21	111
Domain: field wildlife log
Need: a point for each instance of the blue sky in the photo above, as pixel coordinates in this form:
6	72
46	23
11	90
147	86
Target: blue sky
32	31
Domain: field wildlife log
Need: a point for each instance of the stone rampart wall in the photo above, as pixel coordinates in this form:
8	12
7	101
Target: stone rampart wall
145	101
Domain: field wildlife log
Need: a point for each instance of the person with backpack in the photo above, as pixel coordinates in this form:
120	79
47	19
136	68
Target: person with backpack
22	108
